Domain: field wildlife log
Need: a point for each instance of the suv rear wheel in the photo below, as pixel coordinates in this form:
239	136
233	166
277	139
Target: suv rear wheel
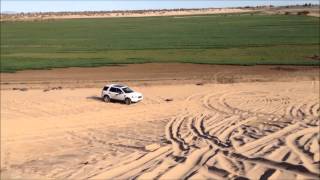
106	99
127	101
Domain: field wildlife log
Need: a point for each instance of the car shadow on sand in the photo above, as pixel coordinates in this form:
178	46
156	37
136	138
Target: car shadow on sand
98	98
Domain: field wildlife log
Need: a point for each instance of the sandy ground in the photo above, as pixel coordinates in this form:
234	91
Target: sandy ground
216	130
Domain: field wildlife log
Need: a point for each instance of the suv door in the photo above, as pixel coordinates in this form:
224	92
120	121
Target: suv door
112	93
119	95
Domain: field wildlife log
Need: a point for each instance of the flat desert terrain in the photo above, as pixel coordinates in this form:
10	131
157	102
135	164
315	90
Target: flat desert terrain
195	122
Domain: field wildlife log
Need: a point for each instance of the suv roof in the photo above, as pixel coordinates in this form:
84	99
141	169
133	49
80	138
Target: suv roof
116	85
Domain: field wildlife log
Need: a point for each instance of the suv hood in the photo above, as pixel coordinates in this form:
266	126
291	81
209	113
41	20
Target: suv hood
134	94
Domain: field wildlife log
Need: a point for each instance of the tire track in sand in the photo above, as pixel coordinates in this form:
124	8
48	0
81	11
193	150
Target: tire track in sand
236	134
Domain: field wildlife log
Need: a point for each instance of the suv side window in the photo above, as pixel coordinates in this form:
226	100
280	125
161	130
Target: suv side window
119	91
105	88
112	89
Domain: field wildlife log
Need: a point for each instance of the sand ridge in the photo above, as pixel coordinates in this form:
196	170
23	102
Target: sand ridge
154	73
313	10
115	14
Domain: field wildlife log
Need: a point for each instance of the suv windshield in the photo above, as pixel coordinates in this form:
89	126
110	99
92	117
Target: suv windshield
127	90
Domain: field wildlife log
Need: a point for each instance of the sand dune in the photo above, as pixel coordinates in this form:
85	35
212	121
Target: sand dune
244	130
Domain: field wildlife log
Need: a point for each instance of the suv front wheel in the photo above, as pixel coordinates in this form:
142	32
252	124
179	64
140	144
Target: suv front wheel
127	101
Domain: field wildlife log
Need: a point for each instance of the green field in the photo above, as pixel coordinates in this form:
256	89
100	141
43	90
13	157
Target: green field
213	39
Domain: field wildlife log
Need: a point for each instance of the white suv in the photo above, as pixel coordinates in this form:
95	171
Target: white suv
120	93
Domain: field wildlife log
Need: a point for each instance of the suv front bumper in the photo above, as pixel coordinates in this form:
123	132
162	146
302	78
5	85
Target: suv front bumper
136	99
